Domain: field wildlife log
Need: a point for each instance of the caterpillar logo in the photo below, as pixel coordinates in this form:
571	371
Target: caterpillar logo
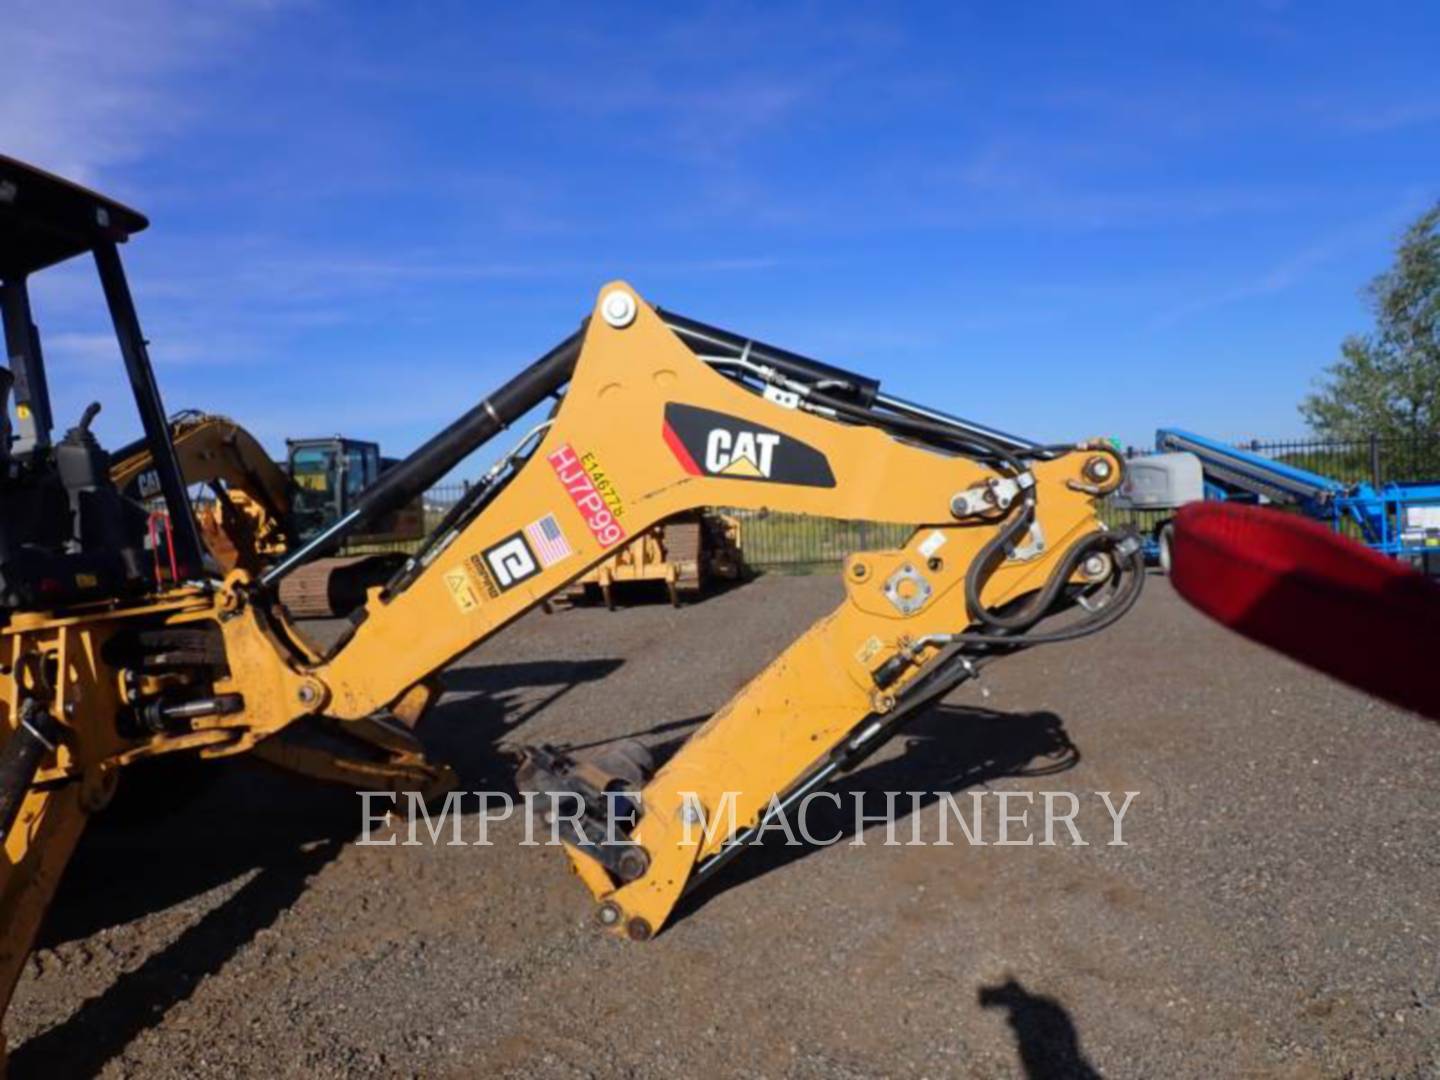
740	453
708	443
148	483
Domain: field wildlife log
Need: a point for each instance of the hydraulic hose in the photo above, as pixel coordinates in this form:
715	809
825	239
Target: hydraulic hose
995	550
927	430
36	736
1035	608
1123	602
701	336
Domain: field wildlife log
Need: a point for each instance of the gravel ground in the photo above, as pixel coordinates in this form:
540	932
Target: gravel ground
1273	913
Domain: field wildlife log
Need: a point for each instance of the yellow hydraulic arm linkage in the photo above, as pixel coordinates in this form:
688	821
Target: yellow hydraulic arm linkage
655	414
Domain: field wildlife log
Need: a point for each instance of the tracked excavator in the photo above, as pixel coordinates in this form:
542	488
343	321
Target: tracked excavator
104	662
257	510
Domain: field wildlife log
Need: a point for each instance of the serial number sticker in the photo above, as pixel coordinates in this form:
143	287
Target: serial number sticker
461	590
579	484
932	543
603	484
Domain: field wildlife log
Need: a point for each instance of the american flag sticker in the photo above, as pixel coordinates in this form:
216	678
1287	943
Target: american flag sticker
547	540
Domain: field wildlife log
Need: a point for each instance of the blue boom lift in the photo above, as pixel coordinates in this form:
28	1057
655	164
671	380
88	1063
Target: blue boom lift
1401	520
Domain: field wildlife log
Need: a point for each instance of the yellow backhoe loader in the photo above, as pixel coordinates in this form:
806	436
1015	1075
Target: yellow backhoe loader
257	510
104	663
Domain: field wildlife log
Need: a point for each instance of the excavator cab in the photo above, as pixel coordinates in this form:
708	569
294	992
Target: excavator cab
328	476
66	534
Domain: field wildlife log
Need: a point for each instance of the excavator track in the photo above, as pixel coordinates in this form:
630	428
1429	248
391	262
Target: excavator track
329	588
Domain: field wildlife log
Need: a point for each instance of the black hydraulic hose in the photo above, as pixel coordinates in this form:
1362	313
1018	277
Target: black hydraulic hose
992	555
1035	608
1123	602
35	737
994	552
996	549
925	430
859	388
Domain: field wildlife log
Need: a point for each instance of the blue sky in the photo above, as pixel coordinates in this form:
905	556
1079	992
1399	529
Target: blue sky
1063	219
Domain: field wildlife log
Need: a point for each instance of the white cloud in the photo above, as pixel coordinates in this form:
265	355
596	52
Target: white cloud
89	85
1295	269
72	351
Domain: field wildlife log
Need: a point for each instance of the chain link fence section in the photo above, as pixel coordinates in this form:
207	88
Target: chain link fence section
799	543
770	540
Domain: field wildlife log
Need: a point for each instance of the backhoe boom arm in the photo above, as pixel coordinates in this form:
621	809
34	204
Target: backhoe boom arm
656	415
647	429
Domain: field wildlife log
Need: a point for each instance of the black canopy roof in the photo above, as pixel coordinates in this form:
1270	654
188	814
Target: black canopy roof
45	220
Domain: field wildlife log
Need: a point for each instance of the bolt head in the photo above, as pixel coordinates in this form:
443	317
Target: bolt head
618	308
637	929
609	914
633	864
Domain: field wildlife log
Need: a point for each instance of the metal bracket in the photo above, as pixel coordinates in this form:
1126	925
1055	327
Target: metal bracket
997	493
1031	547
786	399
907	602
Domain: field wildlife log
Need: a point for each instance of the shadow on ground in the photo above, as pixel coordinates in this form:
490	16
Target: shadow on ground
204	824
464	731
250	819
138	999
1045	1035
947	749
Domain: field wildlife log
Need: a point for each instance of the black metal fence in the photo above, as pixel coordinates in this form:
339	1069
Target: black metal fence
798	543
1376	460
439	499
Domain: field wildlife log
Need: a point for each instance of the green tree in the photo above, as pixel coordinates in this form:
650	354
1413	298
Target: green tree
1387	382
